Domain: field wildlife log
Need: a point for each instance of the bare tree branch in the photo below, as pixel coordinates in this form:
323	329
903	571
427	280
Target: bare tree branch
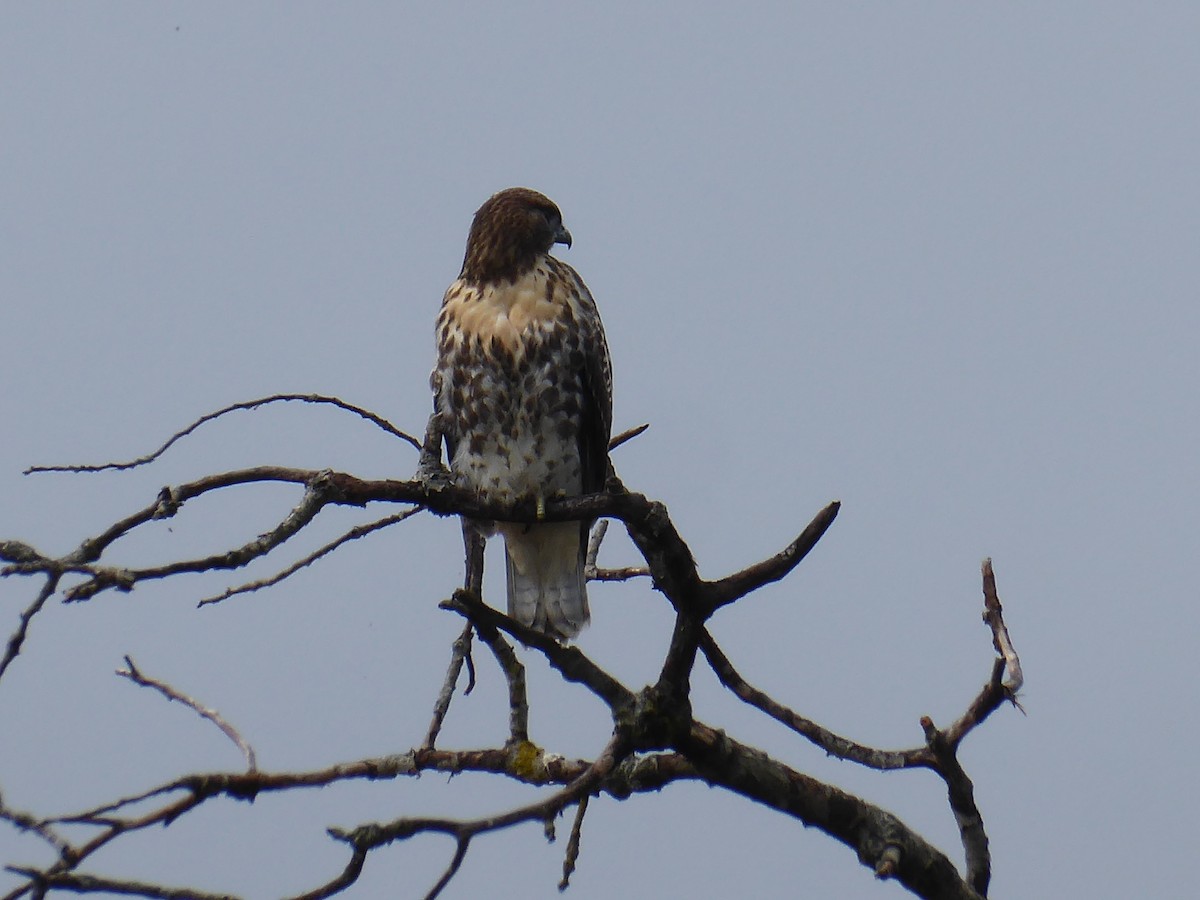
369	837
359	531
627	435
961	793
880	840
79	883
246	404
134	674
993	615
24	821
514	674
572	855
656	738
460	651
735	586
17	639
569	661
590	570
831	743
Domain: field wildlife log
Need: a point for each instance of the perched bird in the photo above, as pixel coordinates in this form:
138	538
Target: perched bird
523	391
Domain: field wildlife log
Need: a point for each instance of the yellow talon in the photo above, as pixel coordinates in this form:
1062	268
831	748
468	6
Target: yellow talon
541	507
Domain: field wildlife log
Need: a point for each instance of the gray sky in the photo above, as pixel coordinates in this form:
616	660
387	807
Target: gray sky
937	261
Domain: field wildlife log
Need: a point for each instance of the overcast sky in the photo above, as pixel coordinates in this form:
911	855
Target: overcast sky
935	260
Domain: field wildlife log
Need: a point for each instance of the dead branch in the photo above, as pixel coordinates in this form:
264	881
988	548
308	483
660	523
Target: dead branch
134	674
628	435
656	740
993	615
460	651
17	639
590	570
359	531
572	854
734	587
831	743
365	838
233	407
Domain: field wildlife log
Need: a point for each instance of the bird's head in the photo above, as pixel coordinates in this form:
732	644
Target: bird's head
511	231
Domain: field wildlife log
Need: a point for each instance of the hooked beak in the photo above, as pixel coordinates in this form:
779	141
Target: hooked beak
562	236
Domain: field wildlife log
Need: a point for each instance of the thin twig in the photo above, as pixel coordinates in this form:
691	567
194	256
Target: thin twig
343	880
247	404
595	539
369	837
590	570
460	853
80	883
460	650
735	586
24	821
572	854
570	661
135	675
993	615
17	639
353	534
623	574
627	435
514	674
831	743
317	496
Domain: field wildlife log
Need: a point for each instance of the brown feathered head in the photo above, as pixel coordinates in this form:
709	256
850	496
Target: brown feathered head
510	232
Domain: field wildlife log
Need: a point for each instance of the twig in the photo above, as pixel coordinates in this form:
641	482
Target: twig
993	615
353	534
247	404
572	854
23	821
514	674
996	691
135	675
17	639
734	587
622	574
340	882
369	837
460	853
317	495
569	661
627	435
460	650
80	883
649	774
590	570
831	743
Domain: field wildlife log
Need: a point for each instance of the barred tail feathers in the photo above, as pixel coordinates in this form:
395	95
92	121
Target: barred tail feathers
546	584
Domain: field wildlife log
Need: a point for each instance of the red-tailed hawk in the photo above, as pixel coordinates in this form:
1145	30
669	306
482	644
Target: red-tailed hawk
523	390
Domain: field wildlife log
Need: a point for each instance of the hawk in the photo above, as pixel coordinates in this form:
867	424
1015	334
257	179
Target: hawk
523	392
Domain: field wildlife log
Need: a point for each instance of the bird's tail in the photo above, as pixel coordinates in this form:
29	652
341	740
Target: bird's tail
546	585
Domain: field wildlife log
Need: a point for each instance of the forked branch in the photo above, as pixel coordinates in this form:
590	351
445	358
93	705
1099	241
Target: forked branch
657	738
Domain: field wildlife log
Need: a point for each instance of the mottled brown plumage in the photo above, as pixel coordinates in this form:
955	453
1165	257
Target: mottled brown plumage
523	388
